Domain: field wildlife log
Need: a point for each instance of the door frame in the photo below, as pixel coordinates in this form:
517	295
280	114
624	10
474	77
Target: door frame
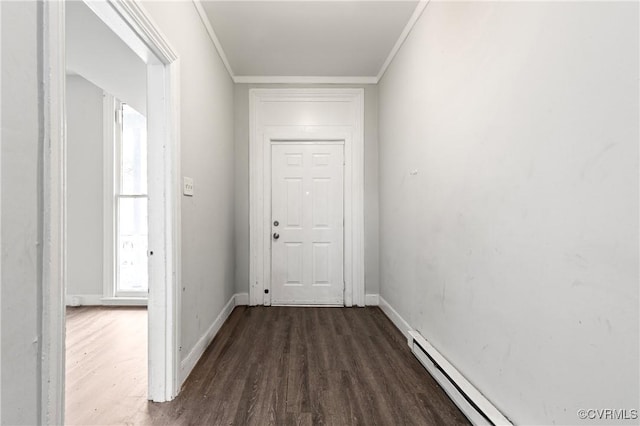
132	23
264	102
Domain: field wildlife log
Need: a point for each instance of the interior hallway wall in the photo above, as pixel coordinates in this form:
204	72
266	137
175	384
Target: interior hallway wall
207	218
242	181
514	249
85	141
21	251
207	156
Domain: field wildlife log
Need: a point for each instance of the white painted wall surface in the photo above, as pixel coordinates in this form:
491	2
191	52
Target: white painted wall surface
242	182
21	215
0	219
100	56
85	187
207	157
514	249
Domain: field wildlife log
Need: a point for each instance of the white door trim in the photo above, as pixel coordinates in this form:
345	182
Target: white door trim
261	136
54	214
127	19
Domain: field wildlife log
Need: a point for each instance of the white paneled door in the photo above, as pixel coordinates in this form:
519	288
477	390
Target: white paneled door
307	223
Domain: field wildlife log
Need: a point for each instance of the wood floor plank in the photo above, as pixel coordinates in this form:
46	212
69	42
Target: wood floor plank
106	365
266	366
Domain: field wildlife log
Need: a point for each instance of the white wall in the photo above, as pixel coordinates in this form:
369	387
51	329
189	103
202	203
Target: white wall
100	56
514	250
242	182
208	223
85	142
21	214
207	156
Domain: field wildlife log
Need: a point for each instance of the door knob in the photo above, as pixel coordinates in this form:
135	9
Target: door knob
276	235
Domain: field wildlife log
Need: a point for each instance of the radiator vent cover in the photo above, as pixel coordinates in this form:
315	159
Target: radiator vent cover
478	409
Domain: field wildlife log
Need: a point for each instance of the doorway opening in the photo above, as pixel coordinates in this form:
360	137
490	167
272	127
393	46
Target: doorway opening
144	264
316	117
107	228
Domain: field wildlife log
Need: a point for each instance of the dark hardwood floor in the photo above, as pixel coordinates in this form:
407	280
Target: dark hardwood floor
304	366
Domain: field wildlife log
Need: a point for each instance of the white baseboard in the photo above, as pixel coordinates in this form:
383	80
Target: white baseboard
242	299
98	300
83	299
396	319
125	301
371	299
190	361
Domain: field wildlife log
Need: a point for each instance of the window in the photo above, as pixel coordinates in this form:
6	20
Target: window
131	204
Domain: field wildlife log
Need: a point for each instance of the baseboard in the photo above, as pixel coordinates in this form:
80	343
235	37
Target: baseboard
371	299
99	300
125	301
467	398
83	299
190	361
242	299
396	319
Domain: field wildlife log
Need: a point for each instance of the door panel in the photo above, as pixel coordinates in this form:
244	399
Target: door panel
307	194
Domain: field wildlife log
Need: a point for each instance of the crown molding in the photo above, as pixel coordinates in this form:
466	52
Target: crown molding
417	12
266	79
212	35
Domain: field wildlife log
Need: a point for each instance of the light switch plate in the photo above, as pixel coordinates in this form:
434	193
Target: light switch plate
187	186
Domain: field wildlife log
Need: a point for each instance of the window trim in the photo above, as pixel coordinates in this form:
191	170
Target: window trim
112	162
118	196
110	106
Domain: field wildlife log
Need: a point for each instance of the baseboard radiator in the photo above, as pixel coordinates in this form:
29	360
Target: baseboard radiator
478	409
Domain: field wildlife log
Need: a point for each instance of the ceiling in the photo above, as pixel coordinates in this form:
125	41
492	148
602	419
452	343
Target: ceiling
263	41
